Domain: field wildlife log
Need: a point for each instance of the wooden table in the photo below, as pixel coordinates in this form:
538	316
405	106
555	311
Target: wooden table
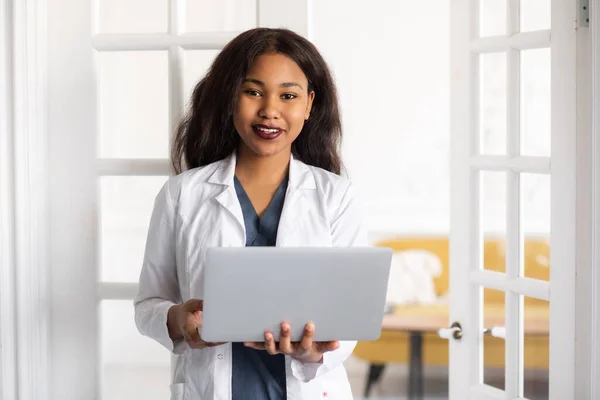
419	319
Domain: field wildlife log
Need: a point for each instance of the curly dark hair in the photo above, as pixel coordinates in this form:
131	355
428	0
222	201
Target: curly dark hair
206	133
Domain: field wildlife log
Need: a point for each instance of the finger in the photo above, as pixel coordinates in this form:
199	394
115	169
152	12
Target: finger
193	305
285	344
255	345
307	338
192	334
196	346
193	339
270	343
197	318
213	344
324	347
331	346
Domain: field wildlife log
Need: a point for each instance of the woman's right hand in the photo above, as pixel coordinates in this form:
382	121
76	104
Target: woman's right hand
184	321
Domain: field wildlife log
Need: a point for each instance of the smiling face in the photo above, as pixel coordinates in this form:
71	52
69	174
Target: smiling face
273	104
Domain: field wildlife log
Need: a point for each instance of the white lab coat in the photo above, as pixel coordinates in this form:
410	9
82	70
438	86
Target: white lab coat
199	209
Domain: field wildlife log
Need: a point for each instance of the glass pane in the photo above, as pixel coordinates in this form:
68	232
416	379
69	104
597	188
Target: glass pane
134	112
492	96
535	102
535	216
132	366
220	15
126	206
492	17
133	16
535	15
196	64
493	219
536	350
493	347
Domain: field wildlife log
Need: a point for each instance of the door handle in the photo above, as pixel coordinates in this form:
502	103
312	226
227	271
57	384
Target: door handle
496	331
455	332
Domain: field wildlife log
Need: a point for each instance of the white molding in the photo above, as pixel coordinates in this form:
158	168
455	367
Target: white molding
565	230
486	392
161	41
595	334
584	213
176	69
517	41
116	290
8	360
464	297
527	164
132	167
291	14
534	288
30	191
73	199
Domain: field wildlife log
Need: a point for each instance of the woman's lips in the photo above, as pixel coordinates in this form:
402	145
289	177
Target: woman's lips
267	132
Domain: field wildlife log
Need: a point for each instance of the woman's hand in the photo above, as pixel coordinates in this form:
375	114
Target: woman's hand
183	322
306	350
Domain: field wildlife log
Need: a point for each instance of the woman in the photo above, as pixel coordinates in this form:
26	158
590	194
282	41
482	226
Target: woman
261	147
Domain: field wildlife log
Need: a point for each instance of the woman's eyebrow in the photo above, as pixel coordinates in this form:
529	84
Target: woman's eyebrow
290	84
262	84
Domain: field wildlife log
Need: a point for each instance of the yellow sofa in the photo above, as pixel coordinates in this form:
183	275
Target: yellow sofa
393	346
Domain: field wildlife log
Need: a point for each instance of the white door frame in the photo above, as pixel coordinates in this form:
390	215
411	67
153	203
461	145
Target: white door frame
24	305
8	379
566	227
595	264
584	214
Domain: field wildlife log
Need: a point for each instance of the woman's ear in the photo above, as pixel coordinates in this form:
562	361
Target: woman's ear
311	97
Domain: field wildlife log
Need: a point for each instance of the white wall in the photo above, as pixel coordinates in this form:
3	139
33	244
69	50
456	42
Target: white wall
391	62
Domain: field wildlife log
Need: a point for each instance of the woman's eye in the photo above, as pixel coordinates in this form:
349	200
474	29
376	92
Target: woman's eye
253	93
289	96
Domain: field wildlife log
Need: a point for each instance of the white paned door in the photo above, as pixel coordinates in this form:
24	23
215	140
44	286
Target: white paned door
513	113
120	75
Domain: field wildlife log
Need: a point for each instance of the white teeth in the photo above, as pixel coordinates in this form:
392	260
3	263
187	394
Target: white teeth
268	130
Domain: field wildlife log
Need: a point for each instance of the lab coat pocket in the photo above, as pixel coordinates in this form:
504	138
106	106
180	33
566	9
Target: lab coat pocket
178	391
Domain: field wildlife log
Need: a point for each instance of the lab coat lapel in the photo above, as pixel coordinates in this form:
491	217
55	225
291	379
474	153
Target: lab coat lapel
223	176
297	204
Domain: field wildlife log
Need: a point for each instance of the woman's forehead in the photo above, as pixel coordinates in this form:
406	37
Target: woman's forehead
276	69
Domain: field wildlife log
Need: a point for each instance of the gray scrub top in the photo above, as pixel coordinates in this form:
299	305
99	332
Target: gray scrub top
257	375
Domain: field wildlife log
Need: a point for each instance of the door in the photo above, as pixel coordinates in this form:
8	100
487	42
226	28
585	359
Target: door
513	192
120	75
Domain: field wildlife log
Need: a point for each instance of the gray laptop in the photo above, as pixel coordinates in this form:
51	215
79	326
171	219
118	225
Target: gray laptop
250	289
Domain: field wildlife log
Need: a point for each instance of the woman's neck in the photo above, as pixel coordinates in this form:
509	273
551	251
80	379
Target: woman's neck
270	170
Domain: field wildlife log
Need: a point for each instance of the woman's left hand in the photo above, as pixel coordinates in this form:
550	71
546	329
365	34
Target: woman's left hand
306	350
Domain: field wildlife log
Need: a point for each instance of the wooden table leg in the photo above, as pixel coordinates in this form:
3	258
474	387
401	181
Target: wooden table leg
415	369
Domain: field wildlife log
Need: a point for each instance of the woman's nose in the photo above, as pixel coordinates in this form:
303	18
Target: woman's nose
270	109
